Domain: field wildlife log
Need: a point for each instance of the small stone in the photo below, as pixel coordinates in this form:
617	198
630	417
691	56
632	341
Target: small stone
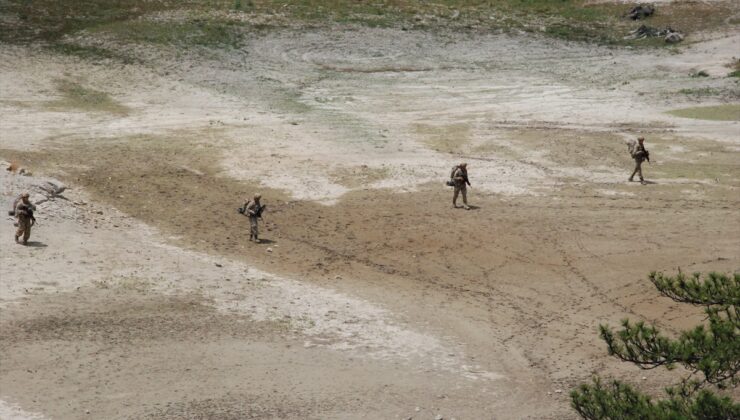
269	249
558	391
218	265
417	409
438	417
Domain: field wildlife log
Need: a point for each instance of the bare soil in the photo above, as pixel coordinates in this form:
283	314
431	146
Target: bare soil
371	296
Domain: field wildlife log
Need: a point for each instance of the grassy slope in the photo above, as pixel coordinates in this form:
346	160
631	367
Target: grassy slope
51	20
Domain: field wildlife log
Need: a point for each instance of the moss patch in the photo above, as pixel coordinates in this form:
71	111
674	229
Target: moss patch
729	112
77	97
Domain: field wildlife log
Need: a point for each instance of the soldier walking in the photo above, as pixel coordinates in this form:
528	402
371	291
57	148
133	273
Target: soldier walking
253	210
639	154
24	214
459	179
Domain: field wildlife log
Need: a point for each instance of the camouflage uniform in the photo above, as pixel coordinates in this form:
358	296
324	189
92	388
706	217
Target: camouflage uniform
459	176
251	209
23	213
639	154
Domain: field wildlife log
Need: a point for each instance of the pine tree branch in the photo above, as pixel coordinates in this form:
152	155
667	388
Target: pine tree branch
712	349
715	290
616	400
642	345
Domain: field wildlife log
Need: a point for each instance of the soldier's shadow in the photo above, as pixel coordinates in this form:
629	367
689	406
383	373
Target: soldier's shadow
36	244
266	241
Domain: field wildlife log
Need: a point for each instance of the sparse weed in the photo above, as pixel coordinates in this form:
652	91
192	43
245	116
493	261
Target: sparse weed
90	52
735	66
198	32
700	73
705	91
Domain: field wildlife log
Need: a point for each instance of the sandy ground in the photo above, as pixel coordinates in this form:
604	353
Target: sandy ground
371	297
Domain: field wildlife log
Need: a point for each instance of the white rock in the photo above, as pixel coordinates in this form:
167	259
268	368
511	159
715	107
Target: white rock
52	187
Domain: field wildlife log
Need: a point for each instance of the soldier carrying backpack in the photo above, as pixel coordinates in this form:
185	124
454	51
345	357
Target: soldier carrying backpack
640	154
253	210
23	211
459	180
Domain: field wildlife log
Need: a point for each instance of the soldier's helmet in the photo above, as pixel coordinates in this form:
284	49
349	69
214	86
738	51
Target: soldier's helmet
641	139
25	195
464	165
257	196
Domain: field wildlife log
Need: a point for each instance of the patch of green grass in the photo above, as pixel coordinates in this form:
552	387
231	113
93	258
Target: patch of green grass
76	96
735	73
50	20
729	112
200	32
90	52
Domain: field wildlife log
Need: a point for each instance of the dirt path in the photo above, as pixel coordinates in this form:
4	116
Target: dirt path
143	299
